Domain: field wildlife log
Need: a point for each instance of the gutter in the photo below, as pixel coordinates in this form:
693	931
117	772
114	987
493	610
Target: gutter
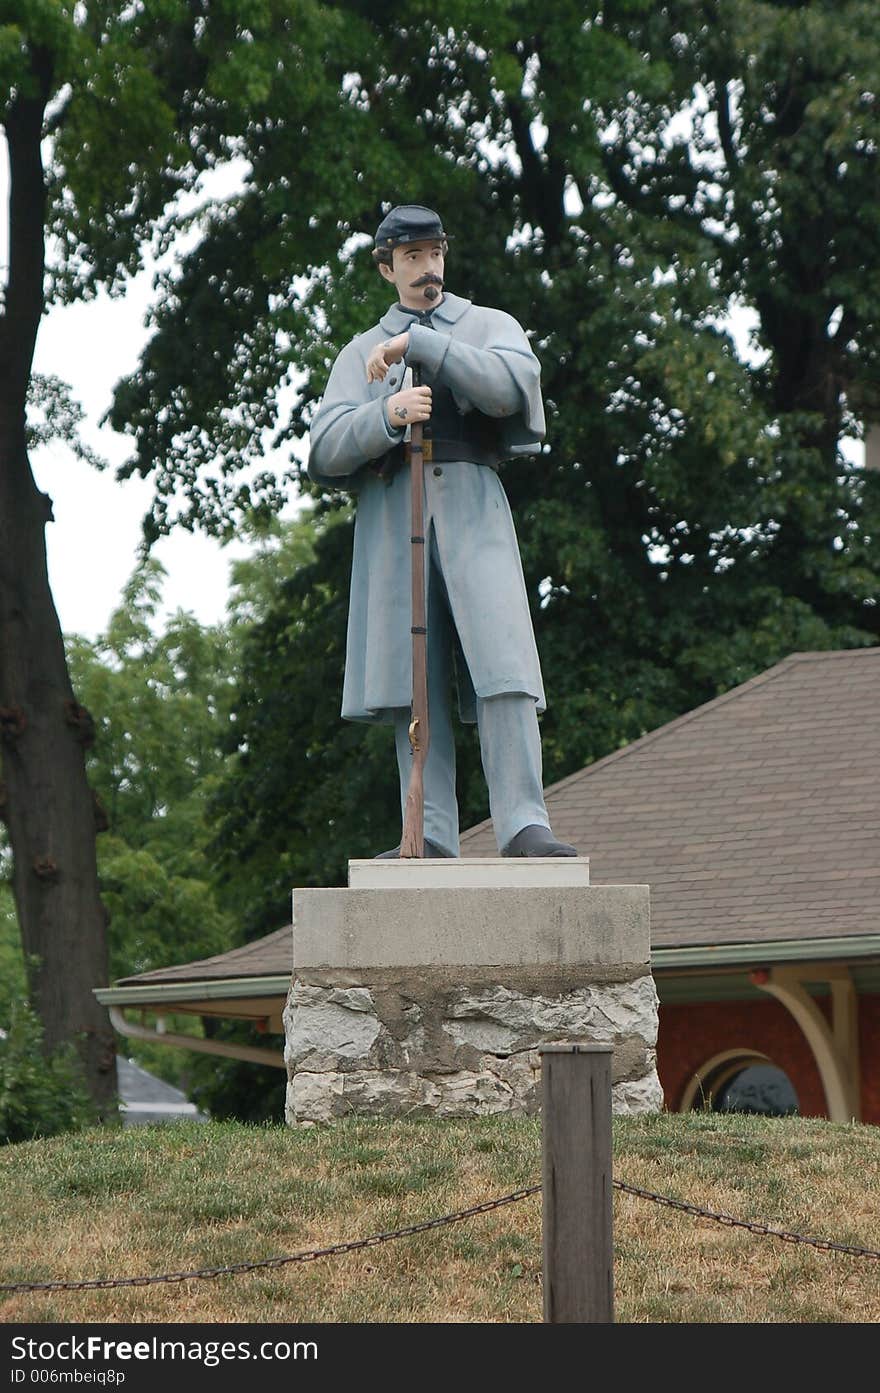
219	989
800	950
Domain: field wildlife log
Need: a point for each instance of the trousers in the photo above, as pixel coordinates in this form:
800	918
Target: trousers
510	742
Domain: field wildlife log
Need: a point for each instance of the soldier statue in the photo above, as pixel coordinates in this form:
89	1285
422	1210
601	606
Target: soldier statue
479	402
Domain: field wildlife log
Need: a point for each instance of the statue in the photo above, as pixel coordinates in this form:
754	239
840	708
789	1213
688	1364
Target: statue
477	400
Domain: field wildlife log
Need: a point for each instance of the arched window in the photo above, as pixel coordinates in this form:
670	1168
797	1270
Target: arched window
759	1088
741	1081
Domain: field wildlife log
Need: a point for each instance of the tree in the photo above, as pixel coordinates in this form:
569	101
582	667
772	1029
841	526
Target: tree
45	798
39	1095
626	173
161	703
302	791
135	103
165	702
775	174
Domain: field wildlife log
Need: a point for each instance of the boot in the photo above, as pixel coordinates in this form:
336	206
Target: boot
536	840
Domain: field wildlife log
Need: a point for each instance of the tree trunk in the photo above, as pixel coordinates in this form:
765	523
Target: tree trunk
45	799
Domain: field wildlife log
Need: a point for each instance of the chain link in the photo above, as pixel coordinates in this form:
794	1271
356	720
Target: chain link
353	1245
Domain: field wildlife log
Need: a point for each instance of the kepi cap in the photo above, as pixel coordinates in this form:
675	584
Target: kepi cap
409	222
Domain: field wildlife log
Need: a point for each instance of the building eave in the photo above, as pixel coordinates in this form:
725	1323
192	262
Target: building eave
686	976
752	954
162	996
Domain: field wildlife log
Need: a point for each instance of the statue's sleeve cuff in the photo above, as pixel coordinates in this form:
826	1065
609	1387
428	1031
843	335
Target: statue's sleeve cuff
428	347
372	432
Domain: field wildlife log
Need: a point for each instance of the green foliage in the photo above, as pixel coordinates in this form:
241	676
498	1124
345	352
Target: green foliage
13	984
160	707
29	29
325	787
690	156
233	1089
53	415
161	704
39	1096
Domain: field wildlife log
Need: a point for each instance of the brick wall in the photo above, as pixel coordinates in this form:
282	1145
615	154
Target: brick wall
869	1056
691	1034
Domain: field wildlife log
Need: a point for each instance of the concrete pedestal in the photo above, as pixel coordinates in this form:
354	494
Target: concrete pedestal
426	987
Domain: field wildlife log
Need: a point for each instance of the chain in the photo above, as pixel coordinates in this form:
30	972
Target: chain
100	1283
312	1254
752	1225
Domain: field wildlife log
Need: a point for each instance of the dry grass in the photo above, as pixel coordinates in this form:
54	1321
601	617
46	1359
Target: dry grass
160	1199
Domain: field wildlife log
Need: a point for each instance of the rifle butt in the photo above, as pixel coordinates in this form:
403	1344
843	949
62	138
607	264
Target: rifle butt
412	842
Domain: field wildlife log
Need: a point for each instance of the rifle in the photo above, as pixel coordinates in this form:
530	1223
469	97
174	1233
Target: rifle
412	842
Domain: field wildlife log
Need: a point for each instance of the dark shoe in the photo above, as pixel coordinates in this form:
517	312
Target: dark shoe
432	852
536	840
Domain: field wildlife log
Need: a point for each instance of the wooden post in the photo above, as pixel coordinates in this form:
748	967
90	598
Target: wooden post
577	1190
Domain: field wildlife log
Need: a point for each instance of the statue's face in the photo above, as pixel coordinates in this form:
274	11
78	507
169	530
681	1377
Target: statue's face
417	273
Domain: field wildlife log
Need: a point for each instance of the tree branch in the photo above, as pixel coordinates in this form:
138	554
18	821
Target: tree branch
532	169
652	204
725	126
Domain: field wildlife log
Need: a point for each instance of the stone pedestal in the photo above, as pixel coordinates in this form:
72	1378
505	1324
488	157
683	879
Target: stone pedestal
426	987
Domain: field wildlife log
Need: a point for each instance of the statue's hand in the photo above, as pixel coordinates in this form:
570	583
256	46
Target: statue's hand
403	408
384	354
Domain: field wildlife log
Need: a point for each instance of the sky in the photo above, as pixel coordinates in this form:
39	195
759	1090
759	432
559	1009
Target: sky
93	541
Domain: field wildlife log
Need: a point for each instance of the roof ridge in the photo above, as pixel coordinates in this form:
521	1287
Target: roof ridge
871	650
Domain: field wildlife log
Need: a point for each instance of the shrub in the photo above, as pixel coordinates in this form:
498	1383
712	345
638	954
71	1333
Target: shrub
39	1096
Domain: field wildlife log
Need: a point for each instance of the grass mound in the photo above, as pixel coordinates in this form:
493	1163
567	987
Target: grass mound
149	1200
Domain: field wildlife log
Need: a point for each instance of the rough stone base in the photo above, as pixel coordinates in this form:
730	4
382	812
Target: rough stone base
424	1033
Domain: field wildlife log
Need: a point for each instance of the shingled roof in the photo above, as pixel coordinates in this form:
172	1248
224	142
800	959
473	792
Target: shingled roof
755	817
264	957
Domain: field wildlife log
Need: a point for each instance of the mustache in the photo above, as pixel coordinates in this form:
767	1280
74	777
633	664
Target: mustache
432	283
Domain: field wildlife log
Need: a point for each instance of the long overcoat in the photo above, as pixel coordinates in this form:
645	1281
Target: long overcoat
483	356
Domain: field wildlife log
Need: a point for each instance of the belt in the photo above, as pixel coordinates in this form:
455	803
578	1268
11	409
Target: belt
454	452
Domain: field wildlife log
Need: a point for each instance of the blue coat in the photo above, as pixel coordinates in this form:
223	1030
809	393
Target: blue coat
484	357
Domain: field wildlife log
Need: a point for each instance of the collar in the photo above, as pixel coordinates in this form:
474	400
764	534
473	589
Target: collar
450	309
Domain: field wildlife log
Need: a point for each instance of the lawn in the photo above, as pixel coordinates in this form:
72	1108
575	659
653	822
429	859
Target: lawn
159	1199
